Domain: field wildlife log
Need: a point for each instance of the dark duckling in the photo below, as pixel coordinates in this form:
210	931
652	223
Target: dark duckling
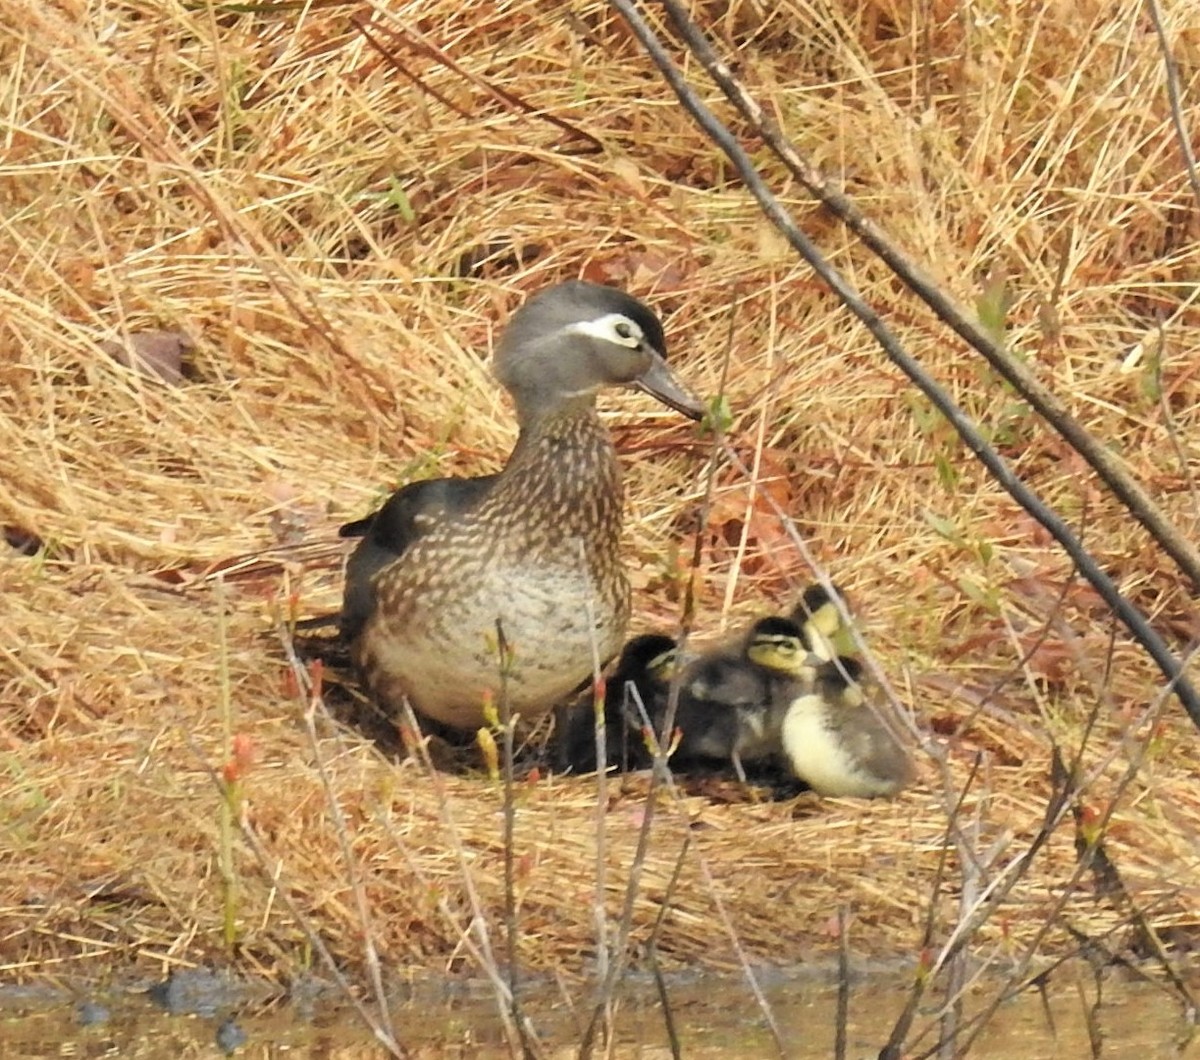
730	707
645	664
734	698
538	554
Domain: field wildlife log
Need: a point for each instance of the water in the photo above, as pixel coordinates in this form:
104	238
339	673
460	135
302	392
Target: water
714	1017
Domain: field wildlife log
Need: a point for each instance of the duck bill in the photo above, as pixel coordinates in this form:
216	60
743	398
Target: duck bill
659	381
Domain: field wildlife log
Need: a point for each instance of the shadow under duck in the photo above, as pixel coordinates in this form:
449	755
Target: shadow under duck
537	553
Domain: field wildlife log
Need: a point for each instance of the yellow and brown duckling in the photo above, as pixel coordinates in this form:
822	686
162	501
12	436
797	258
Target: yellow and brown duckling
837	743
643	670
537	551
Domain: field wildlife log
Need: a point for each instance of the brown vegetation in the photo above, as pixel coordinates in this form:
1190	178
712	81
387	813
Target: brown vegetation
341	232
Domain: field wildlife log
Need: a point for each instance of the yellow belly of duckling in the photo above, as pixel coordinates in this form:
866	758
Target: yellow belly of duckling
831	759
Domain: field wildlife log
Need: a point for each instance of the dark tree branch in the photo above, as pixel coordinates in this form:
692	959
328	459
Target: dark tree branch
1110	469
1130	617
1173	96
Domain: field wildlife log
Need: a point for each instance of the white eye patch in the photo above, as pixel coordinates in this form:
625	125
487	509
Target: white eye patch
612	327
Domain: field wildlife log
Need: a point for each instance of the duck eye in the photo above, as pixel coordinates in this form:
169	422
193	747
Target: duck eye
612	327
625	331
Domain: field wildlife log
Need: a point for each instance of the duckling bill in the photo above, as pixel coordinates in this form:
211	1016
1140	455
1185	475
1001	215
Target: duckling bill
535	549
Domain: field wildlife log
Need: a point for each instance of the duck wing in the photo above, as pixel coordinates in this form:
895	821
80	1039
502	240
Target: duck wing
387	534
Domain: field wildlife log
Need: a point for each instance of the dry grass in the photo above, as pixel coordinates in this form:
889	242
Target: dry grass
267	182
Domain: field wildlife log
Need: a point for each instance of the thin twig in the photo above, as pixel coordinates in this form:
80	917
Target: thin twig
353	866
843	994
413	37
660	770
903	1024
479	919
1164	404
511	928
1056	809
652	952
600	741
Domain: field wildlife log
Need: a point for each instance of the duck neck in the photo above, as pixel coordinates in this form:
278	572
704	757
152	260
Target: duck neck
564	462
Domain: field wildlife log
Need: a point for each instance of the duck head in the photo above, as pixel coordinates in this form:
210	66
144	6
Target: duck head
575	339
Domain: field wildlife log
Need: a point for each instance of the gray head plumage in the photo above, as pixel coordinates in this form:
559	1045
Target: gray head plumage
572	340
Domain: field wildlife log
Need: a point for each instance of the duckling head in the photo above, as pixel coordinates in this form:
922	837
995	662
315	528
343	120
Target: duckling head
650	655
838	682
778	644
826	634
573	340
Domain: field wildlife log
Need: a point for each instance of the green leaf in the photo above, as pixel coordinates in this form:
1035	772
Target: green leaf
397	196
947	473
993	304
943	527
718	417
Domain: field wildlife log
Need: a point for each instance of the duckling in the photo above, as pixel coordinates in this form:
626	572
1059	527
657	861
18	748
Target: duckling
835	741
645	663
730	704
734	699
537	554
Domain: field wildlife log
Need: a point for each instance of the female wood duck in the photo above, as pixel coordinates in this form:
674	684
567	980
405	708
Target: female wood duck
837	743
534	553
